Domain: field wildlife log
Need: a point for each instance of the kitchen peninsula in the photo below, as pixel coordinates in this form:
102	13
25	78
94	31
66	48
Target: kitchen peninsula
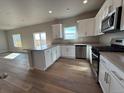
43	57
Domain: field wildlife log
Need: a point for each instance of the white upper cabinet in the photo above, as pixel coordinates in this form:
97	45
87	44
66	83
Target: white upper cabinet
107	7
57	31
98	22
86	27
122	17
117	3
82	28
90	27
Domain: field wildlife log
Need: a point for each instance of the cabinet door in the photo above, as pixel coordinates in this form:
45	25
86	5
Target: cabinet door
64	51
103	74
82	28
57	31
54	54
122	17
71	51
48	57
98	23
90	27
58	52
115	86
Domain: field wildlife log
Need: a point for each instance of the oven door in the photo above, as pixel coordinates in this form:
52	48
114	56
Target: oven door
95	63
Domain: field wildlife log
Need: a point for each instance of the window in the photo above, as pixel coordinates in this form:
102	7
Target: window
17	40
70	32
39	39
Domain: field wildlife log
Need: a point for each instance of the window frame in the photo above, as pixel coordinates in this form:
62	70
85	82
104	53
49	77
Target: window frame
20	40
75	32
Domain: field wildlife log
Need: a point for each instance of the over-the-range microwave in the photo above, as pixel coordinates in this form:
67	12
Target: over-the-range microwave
111	23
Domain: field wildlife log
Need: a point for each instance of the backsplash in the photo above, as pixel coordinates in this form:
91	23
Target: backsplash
92	39
106	38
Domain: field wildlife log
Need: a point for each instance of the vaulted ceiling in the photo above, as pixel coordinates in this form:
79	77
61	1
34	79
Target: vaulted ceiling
19	13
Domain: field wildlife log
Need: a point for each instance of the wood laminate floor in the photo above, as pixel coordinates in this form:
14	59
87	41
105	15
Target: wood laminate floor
65	76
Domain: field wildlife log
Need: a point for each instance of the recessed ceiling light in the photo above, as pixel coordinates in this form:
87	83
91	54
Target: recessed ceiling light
67	9
85	1
50	12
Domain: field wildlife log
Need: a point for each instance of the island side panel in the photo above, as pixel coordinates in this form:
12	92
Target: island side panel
38	60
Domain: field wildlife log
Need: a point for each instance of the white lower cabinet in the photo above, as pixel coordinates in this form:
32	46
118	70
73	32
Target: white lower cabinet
48	57
58	52
115	86
103	73
68	51
54	54
110	81
51	55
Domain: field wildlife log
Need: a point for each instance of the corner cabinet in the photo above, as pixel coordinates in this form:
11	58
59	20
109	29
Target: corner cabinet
57	31
111	79
86	27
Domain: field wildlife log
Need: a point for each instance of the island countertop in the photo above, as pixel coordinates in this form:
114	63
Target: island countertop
42	48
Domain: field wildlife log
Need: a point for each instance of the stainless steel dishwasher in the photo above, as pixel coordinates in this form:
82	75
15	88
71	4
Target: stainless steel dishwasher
80	51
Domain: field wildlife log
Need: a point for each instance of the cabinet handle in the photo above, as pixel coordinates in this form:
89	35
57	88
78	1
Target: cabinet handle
121	79
105	77
108	79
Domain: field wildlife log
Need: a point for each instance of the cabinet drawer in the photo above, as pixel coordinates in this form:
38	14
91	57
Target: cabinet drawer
118	74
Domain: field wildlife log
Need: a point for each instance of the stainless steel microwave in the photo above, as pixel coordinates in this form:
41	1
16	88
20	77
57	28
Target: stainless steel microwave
112	22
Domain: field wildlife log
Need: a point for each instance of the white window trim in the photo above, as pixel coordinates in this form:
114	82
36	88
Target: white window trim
76	35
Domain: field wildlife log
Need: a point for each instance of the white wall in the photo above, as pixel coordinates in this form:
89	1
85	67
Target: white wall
3	42
106	39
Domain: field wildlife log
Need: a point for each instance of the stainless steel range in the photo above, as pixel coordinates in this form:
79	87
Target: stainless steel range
117	45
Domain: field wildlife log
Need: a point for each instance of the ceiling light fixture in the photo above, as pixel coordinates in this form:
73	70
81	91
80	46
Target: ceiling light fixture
50	12
85	1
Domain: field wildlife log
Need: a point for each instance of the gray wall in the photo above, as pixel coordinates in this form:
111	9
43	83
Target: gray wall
27	35
3	42
106	39
27	32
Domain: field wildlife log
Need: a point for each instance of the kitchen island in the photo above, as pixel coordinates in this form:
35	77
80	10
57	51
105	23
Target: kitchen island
43	57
